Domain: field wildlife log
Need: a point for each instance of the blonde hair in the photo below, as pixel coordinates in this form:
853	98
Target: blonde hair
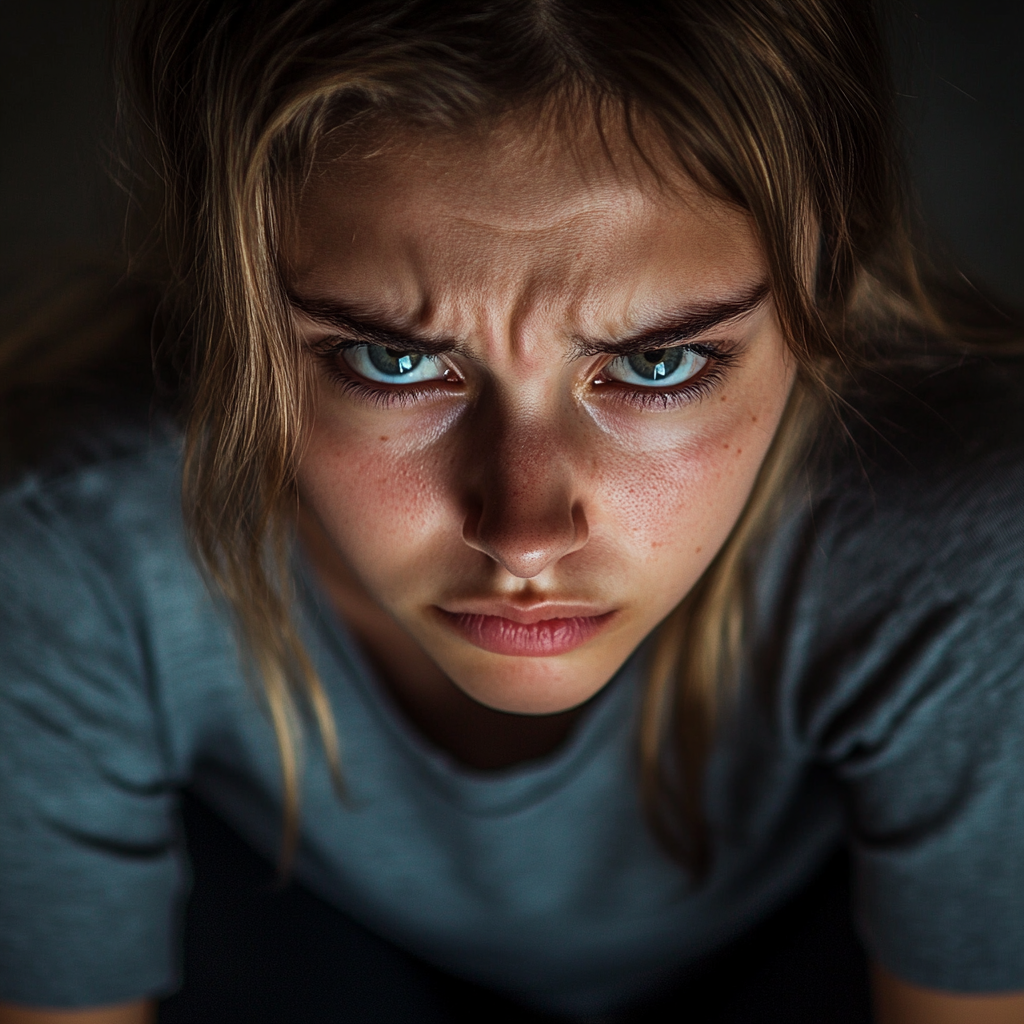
782	109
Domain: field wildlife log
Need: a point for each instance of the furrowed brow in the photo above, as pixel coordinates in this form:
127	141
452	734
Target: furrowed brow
679	326
360	327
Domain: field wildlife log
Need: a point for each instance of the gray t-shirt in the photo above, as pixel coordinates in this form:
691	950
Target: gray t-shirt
883	700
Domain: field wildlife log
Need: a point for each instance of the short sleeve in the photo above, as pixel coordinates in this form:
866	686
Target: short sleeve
938	839
91	876
914	697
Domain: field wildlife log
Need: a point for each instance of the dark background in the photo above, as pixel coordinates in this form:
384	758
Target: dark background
959	71
960	76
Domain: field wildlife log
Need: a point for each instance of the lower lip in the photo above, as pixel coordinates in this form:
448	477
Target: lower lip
544	639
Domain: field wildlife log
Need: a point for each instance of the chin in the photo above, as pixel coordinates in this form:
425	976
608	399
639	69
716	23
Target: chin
529	686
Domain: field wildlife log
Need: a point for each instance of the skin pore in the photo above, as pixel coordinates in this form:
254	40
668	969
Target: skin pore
494	439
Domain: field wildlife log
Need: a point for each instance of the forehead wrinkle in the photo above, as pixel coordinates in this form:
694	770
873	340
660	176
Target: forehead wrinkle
498	329
559	297
543	317
477	302
565	213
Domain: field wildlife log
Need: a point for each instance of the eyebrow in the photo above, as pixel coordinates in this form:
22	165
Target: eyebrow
681	325
676	327
361	327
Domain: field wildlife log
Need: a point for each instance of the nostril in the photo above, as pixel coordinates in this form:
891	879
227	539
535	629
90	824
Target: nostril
471	528
580	527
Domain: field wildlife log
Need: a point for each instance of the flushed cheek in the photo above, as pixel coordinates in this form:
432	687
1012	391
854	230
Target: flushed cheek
384	510
658	519
674	506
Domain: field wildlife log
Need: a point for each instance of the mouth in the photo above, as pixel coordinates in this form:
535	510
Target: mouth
539	632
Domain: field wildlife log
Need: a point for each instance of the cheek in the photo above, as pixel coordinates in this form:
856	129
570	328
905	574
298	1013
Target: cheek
380	506
676	500
672	500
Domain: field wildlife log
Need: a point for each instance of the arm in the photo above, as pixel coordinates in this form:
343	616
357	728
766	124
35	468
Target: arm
898	1002
142	1012
86	805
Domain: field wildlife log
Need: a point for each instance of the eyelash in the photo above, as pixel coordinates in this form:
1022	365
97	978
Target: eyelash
328	353
720	358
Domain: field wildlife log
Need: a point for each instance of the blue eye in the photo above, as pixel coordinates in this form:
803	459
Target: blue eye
393	366
662	368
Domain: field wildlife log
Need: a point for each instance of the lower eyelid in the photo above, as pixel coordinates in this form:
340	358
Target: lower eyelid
651	397
692	390
378	395
376	392
696	388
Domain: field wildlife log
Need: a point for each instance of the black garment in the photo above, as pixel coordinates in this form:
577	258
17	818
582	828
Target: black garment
262	953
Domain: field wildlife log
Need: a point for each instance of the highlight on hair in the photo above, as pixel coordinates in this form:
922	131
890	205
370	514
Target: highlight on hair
780	107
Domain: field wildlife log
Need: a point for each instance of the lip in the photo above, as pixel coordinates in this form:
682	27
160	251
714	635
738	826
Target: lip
537	631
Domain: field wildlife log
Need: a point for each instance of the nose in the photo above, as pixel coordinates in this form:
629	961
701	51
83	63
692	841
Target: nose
523	511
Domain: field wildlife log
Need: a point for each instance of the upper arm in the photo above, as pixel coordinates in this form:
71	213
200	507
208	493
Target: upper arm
912	692
898	1002
91	871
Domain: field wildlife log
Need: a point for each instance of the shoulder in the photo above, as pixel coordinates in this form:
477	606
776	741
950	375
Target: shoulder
91	745
920	437
896	593
94	565
908	668
110	641
927	483
119	496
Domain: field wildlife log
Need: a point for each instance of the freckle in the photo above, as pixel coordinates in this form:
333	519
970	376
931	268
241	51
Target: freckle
383	437
725	446
723	398
697	552
739	451
753	419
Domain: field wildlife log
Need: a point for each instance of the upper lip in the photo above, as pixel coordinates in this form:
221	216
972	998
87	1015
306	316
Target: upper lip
524	612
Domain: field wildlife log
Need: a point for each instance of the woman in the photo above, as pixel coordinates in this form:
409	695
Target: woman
591	515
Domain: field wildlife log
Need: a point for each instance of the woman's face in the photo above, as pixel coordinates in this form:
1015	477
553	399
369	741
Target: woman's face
544	391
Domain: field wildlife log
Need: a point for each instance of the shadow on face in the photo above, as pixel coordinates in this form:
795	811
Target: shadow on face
546	382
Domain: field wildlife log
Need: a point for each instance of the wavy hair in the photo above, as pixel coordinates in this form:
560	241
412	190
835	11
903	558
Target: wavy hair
782	108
